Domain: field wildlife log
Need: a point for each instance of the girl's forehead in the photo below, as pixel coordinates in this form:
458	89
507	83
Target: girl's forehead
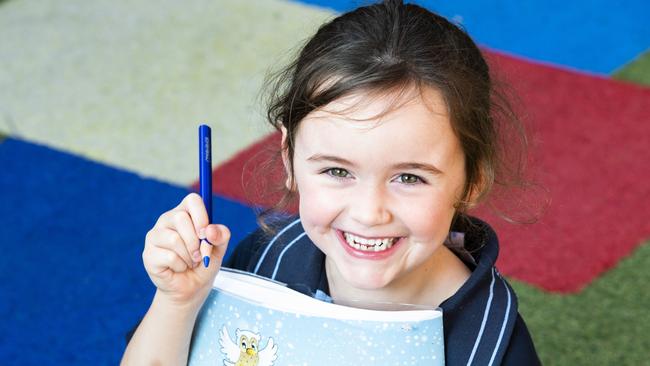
364	130
373	107
362	111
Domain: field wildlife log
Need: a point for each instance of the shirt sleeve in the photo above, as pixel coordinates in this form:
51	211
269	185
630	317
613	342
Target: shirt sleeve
521	350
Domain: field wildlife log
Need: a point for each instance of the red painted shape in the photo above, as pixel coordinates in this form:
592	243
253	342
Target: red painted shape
592	151
254	176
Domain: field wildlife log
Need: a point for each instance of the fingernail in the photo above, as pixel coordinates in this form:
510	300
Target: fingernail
202	233
206	261
196	256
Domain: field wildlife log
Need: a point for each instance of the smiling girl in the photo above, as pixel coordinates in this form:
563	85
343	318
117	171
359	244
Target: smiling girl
389	137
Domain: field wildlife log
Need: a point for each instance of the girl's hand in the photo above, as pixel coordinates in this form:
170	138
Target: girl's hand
172	257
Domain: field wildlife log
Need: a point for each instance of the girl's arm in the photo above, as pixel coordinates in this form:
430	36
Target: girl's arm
172	260
163	336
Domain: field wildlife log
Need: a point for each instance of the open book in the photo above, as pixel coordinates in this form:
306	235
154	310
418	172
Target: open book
251	320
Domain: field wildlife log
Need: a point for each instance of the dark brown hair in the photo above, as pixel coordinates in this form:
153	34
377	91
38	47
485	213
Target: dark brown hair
394	47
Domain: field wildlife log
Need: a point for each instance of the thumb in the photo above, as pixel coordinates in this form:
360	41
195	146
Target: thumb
217	234
213	250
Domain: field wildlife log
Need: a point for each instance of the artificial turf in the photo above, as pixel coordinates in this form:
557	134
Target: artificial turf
605	324
637	71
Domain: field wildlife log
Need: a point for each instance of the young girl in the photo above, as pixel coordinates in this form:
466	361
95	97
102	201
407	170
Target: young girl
389	136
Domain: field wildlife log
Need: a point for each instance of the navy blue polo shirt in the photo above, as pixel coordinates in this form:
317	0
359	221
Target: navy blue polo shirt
482	325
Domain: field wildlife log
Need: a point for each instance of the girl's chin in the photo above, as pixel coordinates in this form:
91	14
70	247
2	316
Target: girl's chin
367	281
361	274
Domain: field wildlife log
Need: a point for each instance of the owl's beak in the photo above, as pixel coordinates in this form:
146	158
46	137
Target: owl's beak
250	351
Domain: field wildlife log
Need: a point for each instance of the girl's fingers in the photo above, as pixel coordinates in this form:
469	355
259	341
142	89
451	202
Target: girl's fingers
217	234
193	205
185	227
190	215
158	260
171	240
215	238
220	235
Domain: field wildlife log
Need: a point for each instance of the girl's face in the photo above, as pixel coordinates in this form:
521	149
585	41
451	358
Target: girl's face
377	196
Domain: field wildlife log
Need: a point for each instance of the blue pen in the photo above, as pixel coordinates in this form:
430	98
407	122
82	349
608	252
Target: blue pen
205	175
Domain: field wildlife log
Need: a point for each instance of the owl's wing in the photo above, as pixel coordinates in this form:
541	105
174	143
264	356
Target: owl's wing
268	354
228	347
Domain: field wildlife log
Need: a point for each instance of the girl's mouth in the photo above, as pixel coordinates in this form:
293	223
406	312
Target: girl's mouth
368	245
374	248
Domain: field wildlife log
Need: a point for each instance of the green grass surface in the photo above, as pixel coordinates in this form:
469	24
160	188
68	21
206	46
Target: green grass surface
637	71
605	324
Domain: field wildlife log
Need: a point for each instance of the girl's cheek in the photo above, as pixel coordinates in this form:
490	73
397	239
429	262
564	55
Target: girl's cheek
317	203
430	220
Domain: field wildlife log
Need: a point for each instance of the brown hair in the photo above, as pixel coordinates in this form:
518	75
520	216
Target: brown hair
388	47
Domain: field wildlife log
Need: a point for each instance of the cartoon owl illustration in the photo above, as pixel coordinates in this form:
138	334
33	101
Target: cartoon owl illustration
246	351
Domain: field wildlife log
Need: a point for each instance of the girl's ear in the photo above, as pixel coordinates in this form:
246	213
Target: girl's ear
477	190
474	193
284	146
473	196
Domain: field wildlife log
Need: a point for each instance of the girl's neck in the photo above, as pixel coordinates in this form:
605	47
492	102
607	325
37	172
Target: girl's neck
430	284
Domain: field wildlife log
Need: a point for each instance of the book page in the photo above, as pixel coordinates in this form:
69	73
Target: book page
233	331
275	295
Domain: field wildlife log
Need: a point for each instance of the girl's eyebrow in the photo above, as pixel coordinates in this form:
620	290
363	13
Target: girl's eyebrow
406	165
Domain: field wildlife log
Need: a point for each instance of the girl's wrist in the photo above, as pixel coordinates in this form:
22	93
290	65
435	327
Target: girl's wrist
189	306
168	323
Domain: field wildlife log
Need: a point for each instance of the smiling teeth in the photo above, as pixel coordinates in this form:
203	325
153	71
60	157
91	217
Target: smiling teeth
368	245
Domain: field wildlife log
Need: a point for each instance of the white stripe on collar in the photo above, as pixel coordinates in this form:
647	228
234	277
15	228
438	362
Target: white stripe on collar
259	262
505	321
485	317
277	263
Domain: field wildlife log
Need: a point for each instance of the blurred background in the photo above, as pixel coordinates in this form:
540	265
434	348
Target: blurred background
99	107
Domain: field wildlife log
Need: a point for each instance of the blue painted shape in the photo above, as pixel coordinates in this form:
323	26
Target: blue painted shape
71	273
593	36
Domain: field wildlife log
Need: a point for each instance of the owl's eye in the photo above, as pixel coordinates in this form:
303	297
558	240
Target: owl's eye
243	344
253	346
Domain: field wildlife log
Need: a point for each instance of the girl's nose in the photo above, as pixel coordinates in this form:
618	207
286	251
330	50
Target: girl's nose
368	206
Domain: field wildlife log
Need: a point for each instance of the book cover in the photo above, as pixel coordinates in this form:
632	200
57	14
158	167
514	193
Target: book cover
249	320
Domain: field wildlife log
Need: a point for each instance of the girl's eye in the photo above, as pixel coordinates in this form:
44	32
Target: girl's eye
410	179
337	172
